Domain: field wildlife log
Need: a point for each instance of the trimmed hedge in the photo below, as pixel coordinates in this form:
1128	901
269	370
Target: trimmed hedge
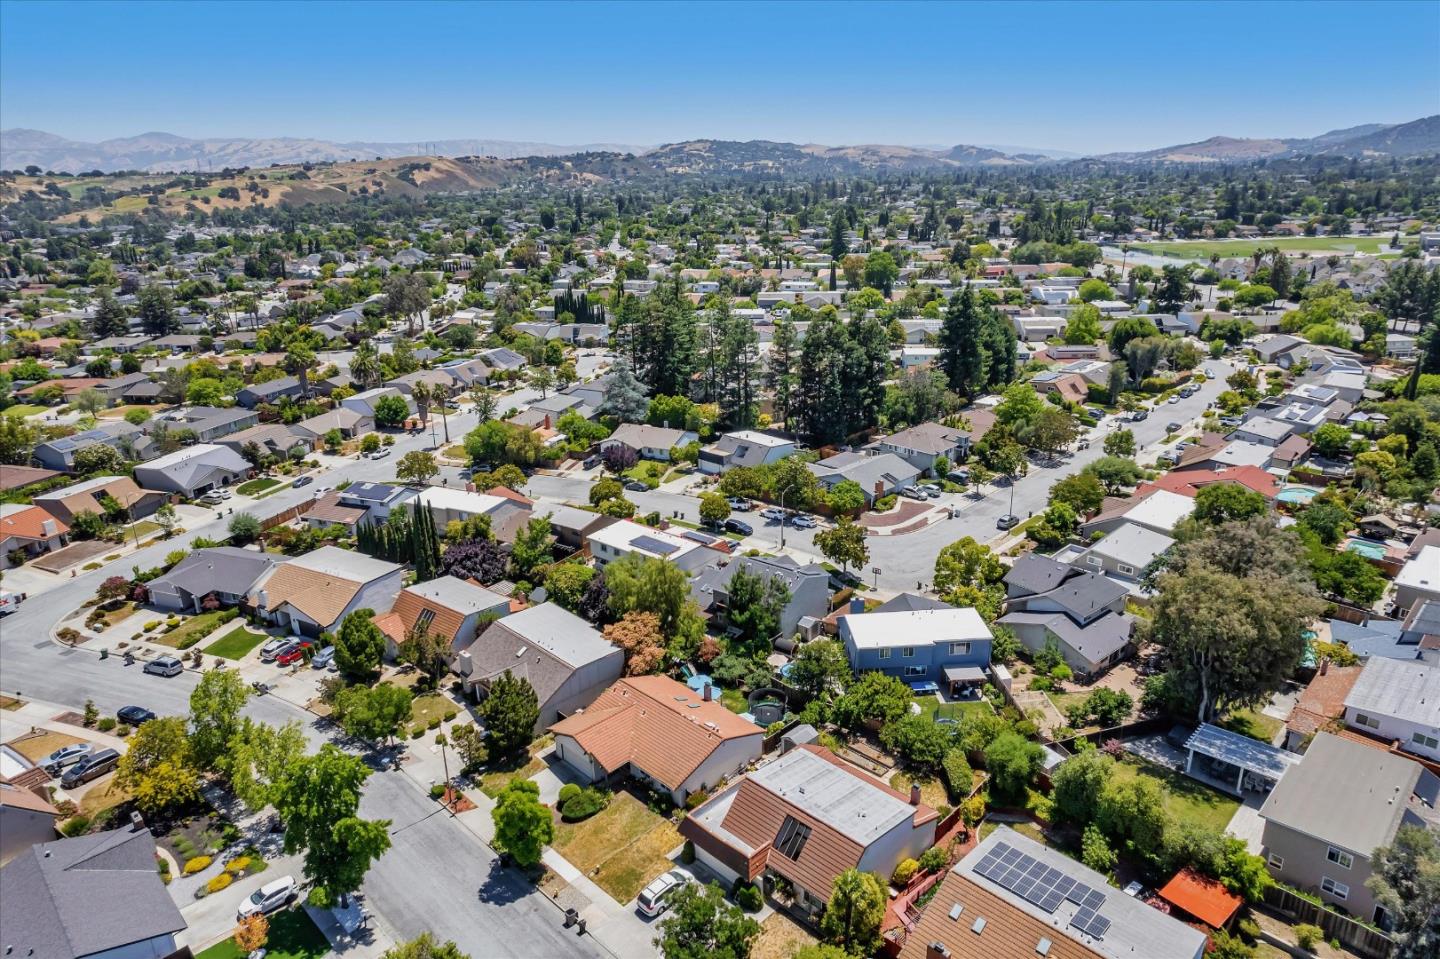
958	775
583	805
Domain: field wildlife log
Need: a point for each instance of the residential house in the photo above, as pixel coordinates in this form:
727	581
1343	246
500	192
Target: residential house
744	448
272	439
1155	509
660	732
193	471
208	423
507	514
1272	348
59	454
27	532
1123	553
1418	580
1082	611
313	593
878	475
270	391
572	527
625	537
349	423
1332	810
649	442
88	496
378	500
927	646
924	444
809	587
1071	387
1398	701
26	819
447	606
566	660
364	403
980	912
1321	703
92	897
228	572
806	817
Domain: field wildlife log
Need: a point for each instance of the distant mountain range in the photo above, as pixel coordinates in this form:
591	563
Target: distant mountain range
162	152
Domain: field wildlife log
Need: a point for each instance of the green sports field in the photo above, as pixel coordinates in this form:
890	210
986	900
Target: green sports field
1319	245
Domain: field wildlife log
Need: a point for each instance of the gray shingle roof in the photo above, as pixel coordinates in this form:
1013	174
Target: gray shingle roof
77	897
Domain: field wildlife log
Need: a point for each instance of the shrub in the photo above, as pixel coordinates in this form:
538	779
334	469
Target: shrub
219	882
568	791
958	776
153	624
450	714
687	852
584	805
417	734
75	826
904	873
884	503
105	723
934	859
192	866
1248	928
694	800
434	723
437	791
1309	936
238	865
748	898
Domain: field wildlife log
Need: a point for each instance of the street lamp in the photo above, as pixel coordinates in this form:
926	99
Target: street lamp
782	517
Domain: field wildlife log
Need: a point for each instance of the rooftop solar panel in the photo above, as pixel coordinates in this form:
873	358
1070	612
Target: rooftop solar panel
652	545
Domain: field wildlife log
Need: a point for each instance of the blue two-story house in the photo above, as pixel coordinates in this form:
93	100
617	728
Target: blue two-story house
927	648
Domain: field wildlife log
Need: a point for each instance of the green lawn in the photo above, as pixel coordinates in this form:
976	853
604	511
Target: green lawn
932	708
292	936
734	700
1186	799
1202	249
193	629
142	528
648	472
428	707
23	409
1256	725
236	643
256	486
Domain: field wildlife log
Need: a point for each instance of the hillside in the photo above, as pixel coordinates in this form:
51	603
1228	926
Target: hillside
166	152
1418	137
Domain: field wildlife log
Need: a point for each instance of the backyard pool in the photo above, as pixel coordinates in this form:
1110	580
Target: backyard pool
1366	548
1297	494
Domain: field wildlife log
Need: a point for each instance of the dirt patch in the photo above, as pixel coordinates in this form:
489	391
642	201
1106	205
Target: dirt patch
72	555
69	719
36	746
780	938
906	510
457	802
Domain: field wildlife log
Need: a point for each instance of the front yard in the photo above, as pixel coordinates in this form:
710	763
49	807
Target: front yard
256	486
192	630
495	778
292	936
431	708
625	843
235	644
648	472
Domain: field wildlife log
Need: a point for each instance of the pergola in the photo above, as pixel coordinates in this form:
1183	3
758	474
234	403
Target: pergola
1227	757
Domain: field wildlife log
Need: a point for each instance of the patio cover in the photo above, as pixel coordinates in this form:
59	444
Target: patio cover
1249	754
964	674
1202	897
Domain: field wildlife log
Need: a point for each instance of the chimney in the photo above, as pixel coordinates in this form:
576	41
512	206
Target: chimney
914	794
48	527
547	421
936	950
1324	665
137	822
879	489
709	692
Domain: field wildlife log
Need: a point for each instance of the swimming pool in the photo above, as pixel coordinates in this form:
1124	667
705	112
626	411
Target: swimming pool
1367	548
1297	494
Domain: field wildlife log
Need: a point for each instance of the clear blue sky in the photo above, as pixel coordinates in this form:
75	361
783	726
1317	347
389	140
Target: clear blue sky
1076	76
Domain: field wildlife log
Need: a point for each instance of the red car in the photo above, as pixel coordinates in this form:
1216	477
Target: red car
293	653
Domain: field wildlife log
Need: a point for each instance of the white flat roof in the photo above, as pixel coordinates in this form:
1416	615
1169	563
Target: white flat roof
1162	509
344	563
915	627
1422	572
630	536
458	500
851	806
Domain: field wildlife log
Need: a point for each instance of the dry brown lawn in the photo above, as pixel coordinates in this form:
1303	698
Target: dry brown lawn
102	795
780	938
621	848
932	790
39	745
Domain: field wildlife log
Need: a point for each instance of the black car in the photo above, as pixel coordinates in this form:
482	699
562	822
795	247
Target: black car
134	715
303	481
636	486
735	526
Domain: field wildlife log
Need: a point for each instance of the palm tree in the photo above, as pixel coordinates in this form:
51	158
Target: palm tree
422	395
441	396
299	361
365	364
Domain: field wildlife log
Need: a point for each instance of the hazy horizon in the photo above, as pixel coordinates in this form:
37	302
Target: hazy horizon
1078	77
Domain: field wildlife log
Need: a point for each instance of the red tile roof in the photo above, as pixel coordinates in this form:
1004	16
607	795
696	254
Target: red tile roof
29	523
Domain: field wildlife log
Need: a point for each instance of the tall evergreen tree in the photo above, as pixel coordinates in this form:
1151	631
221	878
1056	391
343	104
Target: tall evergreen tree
109	317
738	366
822	404
962	358
867	367
781	371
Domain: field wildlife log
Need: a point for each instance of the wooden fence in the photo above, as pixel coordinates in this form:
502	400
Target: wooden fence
1353	935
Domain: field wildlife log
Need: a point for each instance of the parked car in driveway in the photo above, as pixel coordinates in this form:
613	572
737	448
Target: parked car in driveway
655	898
272	648
323	658
911	492
134	715
292	654
212	498
930	490
91	767
65	756
164	666
736	526
269	898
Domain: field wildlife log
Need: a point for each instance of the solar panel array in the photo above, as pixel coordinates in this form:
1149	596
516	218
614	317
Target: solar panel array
1044	886
652	545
